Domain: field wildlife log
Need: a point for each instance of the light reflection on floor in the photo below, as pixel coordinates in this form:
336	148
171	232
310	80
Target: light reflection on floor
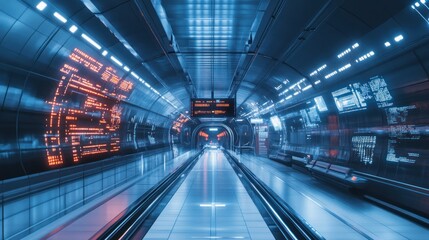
210	204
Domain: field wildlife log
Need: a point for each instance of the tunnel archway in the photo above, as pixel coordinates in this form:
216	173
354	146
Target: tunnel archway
200	127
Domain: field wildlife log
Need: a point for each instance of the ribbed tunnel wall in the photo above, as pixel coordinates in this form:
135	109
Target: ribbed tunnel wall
62	103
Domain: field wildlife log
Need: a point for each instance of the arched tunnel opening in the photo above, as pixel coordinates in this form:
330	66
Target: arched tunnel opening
213	136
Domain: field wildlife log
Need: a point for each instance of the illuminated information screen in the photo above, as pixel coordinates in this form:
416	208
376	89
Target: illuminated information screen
203	107
85	112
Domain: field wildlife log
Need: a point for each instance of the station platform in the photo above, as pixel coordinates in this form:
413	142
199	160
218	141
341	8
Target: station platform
212	203
335	213
87	220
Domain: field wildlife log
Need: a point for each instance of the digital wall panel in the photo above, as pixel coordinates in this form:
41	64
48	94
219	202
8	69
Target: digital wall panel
372	126
74	115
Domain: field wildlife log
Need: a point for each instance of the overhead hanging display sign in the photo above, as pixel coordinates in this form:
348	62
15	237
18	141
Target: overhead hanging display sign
217	107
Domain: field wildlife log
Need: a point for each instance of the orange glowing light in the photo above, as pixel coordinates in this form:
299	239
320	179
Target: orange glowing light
89	126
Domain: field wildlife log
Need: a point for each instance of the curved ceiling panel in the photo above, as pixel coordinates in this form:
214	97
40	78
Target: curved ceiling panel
254	50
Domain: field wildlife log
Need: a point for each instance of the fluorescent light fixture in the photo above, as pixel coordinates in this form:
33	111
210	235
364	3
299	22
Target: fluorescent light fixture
104	53
155	91
239	120
116	60
423	1
256	120
135	75
307	87
313	73
331	74
284	92
126	68
41	6
213	129
399	38
147	84
295	93
288	97
92	42
355	45
60	17
387	44
321	68
73	29
348	50
281	101
212	205
345	67
366	56
317	82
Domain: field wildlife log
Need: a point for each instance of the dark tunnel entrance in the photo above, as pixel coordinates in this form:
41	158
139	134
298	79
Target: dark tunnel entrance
212	136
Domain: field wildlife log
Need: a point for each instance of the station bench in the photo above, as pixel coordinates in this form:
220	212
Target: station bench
282	157
300	161
245	149
335	173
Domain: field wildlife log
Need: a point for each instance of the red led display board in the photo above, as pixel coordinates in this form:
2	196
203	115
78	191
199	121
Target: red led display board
177	125
203	107
85	111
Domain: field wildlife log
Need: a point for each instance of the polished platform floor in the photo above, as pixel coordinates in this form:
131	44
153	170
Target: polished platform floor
212	203
333	212
89	219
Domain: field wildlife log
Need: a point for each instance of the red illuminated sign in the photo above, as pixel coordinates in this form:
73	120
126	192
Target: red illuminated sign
177	125
85	112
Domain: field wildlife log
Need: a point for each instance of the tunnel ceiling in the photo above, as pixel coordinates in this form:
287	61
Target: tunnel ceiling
229	48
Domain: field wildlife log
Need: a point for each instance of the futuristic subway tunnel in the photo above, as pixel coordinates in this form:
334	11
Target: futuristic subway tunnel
214	119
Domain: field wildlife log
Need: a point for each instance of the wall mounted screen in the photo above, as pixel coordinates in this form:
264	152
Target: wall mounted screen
320	103
85	112
310	117
275	120
347	99
203	107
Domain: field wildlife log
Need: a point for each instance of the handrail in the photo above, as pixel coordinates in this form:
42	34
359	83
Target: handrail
19	187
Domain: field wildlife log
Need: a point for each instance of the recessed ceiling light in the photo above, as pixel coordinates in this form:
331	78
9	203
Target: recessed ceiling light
91	41
60	17
41	6
399	38
73	29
